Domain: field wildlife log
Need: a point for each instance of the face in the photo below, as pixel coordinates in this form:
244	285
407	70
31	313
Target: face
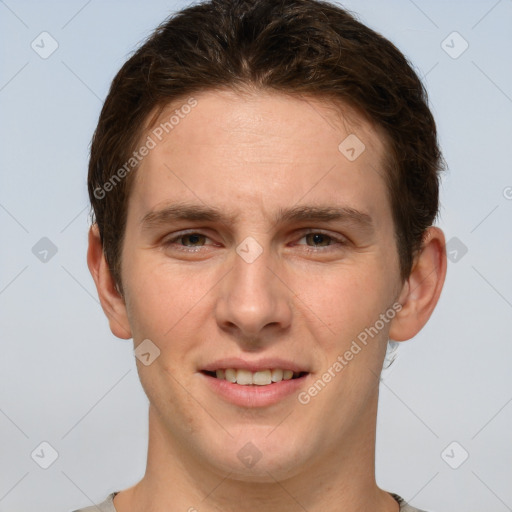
255	242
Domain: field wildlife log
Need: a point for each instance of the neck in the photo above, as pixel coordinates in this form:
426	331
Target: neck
344	479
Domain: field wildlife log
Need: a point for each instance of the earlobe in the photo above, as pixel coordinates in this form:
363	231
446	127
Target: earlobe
111	300
422	289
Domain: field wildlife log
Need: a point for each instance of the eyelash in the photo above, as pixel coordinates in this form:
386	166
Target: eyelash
340	241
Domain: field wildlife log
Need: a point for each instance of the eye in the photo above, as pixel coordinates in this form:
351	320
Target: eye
196	239
318	239
186	241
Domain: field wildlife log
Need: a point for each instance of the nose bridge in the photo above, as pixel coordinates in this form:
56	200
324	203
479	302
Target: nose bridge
251	296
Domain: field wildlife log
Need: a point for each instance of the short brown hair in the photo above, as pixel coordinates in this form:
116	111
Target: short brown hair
302	47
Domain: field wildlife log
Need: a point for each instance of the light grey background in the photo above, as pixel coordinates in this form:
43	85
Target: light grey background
66	380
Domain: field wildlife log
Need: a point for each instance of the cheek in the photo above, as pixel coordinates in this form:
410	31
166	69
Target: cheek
160	305
161	296
346	299
169	398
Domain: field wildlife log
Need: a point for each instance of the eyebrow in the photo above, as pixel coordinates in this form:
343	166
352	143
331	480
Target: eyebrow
202	213
184	211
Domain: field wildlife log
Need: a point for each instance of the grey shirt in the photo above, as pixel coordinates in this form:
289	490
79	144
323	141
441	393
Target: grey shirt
108	505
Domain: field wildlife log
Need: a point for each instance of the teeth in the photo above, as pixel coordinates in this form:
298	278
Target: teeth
276	375
260	378
287	374
244	377
230	375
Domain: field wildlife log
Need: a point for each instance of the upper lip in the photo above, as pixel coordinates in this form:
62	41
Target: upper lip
254	366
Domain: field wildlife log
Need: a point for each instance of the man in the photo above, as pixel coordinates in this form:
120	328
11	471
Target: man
264	178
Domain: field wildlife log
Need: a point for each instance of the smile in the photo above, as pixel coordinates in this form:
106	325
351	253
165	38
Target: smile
259	378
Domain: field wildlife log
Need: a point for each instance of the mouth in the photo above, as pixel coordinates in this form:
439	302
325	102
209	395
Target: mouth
266	377
260	383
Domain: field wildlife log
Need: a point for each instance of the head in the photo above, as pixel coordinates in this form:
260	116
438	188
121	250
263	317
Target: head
239	130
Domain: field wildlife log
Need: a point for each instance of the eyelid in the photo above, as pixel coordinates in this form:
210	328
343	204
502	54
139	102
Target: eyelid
337	236
190	231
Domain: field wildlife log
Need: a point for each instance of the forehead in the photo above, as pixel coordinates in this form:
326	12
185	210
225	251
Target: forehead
267	115
260	149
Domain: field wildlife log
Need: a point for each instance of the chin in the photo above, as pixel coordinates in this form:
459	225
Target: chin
257	456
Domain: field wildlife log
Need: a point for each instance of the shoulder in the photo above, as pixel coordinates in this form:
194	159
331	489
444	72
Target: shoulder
104	506
404	506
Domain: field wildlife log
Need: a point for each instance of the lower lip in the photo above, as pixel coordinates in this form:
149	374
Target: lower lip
253	395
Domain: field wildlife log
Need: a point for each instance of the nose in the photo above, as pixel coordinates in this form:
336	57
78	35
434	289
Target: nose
254	304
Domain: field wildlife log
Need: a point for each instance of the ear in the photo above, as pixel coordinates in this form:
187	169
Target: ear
421	291
111	300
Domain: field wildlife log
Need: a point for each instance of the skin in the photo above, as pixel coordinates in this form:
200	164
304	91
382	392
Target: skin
302	299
